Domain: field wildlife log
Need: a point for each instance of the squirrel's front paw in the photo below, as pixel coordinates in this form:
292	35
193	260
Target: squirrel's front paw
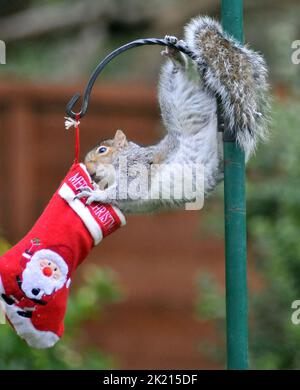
92	195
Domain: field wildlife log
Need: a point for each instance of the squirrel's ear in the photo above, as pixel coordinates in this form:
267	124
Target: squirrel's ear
120	140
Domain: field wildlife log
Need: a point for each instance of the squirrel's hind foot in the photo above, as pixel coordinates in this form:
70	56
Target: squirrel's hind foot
172	53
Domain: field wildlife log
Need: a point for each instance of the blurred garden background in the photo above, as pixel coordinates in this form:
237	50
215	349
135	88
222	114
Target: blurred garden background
151	296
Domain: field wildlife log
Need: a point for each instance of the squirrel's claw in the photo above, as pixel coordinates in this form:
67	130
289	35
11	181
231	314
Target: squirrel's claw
173	53
96	196
91	195
169	51
171	39
86	189
84	192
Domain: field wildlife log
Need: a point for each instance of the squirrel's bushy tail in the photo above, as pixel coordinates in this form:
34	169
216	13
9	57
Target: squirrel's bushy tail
236	75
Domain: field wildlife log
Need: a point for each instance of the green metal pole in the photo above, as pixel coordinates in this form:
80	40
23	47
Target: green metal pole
235	223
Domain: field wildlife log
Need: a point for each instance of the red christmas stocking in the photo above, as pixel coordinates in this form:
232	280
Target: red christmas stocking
35	275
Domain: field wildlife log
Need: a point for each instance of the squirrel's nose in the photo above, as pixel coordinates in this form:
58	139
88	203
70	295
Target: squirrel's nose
35	291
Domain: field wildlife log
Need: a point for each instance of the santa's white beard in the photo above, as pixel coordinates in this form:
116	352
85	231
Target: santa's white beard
33	278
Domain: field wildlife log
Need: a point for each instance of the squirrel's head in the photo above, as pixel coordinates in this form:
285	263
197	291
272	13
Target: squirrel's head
108	157
99	160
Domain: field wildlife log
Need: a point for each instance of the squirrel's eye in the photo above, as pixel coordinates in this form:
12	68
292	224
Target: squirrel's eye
102	149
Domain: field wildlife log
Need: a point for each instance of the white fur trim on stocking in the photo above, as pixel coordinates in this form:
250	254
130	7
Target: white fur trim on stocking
83	212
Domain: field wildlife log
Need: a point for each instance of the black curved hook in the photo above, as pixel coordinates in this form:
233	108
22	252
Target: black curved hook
179	45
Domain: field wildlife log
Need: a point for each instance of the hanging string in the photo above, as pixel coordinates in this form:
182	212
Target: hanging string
69	122
77	139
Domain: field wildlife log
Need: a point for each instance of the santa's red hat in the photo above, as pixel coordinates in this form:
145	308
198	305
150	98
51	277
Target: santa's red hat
61	255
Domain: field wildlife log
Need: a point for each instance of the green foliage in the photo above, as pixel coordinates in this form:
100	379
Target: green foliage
73	351
210	303
273	195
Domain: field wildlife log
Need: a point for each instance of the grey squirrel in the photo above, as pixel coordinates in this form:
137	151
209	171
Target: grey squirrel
225	71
